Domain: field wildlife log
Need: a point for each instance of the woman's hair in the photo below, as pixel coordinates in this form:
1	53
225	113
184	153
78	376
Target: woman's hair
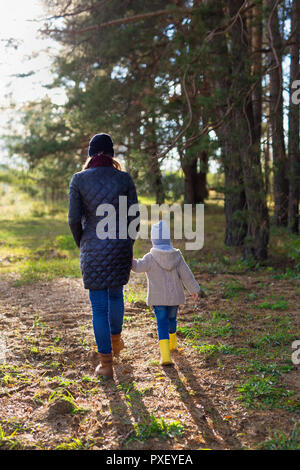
115	163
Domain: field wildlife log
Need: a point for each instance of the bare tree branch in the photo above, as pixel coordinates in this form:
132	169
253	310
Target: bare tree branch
215	32
66	14
118	21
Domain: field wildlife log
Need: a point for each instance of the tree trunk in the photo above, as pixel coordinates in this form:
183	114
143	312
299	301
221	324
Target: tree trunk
201	186
228	136
155	175
280	161
133	143
157	180
195	182
256	43
194	159
294	153
267	160
190	181
256	242
235	199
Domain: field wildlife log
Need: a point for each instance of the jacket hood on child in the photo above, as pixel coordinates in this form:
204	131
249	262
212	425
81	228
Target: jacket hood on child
167	259
160	236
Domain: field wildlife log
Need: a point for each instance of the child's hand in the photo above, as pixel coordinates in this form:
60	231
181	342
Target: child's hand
195	297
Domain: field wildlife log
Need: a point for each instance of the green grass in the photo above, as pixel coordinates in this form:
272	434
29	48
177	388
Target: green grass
279	338
149	426
74	443
36	242
280	440
216	326
213	349
134	295
8	441
280	305
156	427
37	250
45	269
232	288
269	369
11	375
132	394
264	392
63	394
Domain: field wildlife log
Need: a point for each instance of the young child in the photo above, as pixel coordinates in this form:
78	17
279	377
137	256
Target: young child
167	274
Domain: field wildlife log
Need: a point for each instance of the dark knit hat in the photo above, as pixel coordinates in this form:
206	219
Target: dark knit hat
101	143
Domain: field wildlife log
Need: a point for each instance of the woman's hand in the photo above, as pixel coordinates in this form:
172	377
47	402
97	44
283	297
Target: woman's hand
195	296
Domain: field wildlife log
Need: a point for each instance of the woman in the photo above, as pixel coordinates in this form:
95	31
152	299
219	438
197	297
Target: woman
105	261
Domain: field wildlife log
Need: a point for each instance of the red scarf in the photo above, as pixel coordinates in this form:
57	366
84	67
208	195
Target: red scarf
100	160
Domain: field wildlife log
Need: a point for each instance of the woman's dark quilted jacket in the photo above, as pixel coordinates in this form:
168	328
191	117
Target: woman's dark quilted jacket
104	263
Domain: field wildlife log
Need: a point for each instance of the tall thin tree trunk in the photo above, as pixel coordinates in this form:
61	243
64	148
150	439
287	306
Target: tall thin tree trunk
201	186
256	242
256	43
195	180
280	161
228	136
191	155
235	199
294	153
157	180
155	171
190	181
267	160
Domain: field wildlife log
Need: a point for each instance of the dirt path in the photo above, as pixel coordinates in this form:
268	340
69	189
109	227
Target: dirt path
49	395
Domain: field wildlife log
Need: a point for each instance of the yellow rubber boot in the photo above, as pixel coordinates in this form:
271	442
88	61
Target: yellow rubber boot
165	352
173	341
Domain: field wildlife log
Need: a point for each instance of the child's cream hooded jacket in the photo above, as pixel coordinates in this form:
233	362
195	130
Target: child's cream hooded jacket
167	274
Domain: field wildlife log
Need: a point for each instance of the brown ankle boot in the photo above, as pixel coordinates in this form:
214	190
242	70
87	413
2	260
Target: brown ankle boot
105	367
117	344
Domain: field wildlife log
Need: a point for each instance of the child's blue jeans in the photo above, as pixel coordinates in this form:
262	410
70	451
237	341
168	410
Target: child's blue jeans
166	318
108	313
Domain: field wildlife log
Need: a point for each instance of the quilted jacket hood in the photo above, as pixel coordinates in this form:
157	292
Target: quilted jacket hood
167	259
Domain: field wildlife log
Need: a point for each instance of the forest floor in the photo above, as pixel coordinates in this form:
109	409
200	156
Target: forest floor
231	387
233	384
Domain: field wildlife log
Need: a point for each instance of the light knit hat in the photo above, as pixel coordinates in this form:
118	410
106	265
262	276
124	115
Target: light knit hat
160	236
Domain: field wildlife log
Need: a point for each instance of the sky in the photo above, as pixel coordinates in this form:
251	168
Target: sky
21	20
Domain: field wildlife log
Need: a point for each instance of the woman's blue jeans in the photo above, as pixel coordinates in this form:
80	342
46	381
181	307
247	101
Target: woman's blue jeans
166	318
108	313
